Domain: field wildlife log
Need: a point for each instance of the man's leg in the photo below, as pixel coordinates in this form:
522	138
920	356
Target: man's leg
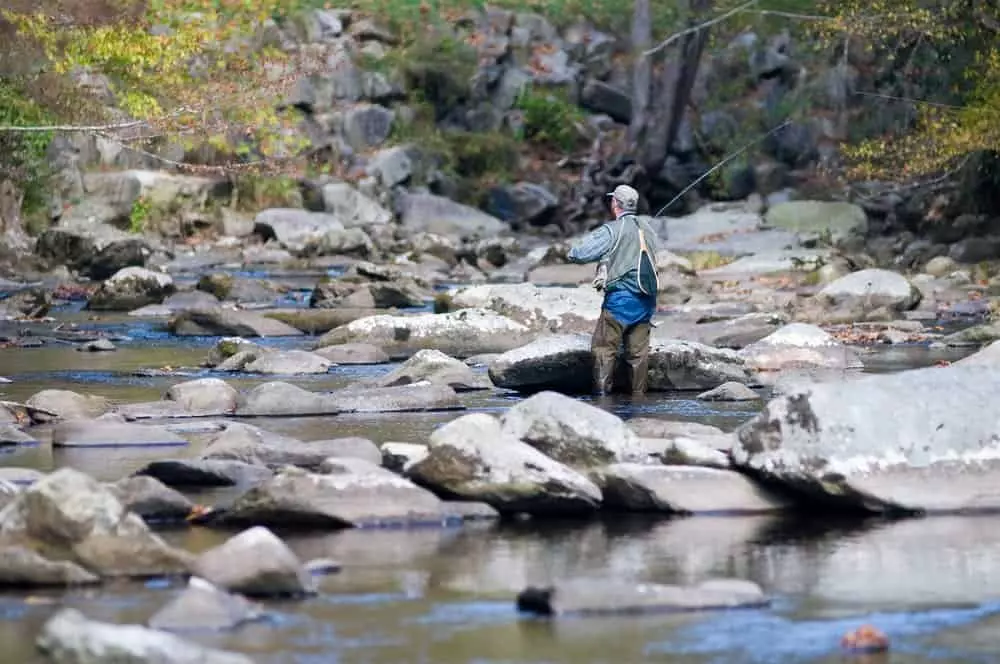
604	346
637	356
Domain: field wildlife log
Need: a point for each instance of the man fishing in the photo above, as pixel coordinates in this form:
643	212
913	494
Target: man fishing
625	250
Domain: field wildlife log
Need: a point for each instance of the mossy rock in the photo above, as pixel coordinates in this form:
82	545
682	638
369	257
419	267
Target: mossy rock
218	284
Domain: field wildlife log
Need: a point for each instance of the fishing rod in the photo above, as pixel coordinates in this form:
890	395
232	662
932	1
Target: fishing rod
721	164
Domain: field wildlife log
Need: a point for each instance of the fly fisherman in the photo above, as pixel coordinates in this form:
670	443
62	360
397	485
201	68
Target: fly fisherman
625	250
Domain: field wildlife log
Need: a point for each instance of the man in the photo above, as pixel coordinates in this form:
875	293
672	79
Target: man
626	248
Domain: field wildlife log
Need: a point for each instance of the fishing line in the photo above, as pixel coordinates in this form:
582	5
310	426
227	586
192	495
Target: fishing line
721	164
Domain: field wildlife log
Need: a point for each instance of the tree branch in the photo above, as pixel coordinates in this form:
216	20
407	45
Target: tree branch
697	28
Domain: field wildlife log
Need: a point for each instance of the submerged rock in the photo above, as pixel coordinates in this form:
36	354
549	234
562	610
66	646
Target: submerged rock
564	363
256	563
203	606
474	458
228	322
596	597
911	441
70	638
108	433
683	490
458	334
251	445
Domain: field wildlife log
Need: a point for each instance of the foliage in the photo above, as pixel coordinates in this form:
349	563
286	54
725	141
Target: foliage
139	215
254	191
549	119
22	155
477	154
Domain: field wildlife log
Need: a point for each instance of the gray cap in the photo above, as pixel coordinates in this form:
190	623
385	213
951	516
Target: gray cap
626	197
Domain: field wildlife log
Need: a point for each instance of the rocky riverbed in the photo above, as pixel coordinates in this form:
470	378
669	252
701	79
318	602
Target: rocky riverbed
393	459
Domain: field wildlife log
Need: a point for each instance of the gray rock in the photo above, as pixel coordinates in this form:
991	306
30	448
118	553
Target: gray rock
202	606
151	499
367	126
436	368
349	448
414	397
97	346
289	362
593	597
255	563
294	228
871	289
75	514
66	405
106	433
392	166
729	392
204	396
458	334
280	399
648	427
14	435
70	638
600	97
546	309
350	494
436	214
837	219
249	444
21	567
706	452
800	346
353	353
227	322
572	432
205	473
683	490
522	203
473	458
909	441
398	457
131	288
352	207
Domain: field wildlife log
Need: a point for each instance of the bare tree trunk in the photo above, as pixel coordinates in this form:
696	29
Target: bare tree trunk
12	235
679	74
642	70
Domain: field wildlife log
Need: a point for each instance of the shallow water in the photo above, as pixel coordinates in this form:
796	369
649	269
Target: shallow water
446	596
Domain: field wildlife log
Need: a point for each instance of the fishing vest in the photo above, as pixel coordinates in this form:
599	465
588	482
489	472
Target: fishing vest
623	260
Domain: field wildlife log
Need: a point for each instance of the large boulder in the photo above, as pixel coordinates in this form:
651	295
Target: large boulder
109	433
572	432
65	404
131	288
228	322
838	219
436	214
295	228
871	289
914	441
459	334
76	517
256	563
208	396
473	458
800	346
550	309
564	363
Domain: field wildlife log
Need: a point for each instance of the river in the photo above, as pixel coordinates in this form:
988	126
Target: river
446	596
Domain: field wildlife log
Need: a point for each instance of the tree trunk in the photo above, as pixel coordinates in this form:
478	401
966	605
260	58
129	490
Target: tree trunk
662	125
642	70
12	236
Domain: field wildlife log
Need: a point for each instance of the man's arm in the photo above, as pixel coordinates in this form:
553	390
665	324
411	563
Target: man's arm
593	246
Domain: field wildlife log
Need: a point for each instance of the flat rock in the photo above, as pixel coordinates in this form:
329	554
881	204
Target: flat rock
871	289
289	362
354	353
204	396
550	309
597	597
228	322
800	346
458	334
729	392
278	398
416	397
70	638
683	490
913	441
205	473
106	433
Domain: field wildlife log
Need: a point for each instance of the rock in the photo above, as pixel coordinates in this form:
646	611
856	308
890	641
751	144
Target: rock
402	293
295	228
682	490
70	638
729	392
367	126
13	435
415	397
564	363
348	448
255	563
288	363
107	433
940	266
569	274
648	427
436	214
398	457
987	356
800	345
705	452
319	321
600	97
473	458
323	567
871	289
97	346
202	606
596	597
249	444
522	204
66	405
280	399
131	288
839	220
226	322
437	368
352	207
205	473
351	494
882	443
458	334
353	353
205	396
151	499
21	567
548	309
571	431
75	514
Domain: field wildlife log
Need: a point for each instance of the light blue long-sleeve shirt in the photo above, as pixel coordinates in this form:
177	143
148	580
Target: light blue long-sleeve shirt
624	301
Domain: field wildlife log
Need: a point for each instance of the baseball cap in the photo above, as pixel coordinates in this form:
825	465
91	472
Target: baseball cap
626	197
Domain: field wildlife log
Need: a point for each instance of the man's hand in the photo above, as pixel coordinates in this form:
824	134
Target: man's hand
601	278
